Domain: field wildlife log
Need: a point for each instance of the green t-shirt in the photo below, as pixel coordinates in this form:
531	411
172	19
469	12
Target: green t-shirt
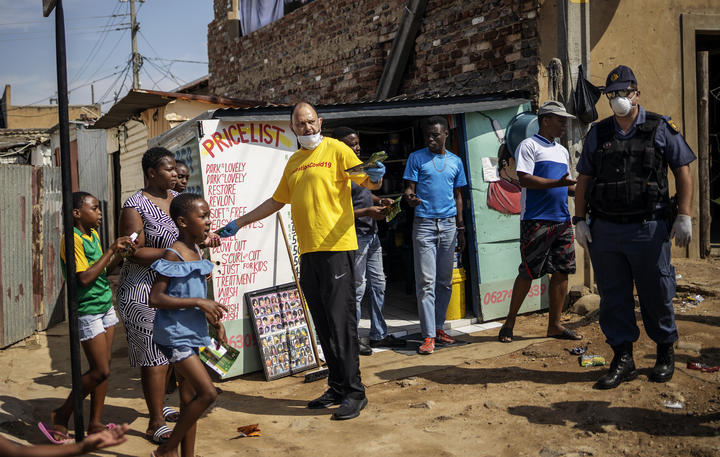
97	297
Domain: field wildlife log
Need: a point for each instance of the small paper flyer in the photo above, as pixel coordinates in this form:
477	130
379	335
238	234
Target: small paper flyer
219	360
370	163
490	169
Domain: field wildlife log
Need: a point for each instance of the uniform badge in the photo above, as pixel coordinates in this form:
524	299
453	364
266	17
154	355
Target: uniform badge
673	126
614	77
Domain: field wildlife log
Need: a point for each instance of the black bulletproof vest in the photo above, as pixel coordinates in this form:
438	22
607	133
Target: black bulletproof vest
630	175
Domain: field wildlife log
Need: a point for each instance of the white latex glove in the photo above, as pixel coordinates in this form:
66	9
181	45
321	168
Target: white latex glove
682	230
582	234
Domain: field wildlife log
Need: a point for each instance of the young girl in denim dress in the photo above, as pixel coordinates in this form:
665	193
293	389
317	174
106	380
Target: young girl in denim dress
181	321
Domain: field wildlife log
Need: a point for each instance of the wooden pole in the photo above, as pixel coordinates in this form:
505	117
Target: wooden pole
297	283
703	151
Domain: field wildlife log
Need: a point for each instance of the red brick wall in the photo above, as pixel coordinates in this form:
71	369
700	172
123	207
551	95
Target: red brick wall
334	51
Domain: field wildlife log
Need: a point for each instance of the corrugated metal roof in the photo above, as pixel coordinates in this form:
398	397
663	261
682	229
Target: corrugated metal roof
11	138
138	100
397	106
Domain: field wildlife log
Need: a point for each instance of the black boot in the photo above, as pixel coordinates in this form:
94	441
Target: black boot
664	364
622	368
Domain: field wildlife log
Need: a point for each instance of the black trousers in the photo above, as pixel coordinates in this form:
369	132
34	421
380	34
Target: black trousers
326	279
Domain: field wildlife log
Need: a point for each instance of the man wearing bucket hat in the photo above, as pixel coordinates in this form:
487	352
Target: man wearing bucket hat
623	187
546	234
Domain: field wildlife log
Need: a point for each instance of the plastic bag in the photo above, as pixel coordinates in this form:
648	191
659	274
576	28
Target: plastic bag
585	97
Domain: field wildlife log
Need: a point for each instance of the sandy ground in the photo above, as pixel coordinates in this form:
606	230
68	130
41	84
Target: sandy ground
528	398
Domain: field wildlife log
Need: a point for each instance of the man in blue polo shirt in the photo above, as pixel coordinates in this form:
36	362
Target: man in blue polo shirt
546	234
434	177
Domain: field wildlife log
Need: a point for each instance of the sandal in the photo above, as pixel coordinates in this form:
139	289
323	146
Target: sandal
48	431
169	414
157	437
505	335
567	334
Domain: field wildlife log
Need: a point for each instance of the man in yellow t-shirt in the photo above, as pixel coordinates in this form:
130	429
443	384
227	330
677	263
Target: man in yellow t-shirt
317	187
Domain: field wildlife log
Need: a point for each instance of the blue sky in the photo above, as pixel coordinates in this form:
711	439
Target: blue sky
169	29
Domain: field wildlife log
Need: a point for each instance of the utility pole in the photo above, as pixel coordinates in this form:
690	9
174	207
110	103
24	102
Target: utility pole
574	50
136	58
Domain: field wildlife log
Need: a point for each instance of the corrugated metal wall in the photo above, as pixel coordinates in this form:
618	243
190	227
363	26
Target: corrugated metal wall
53	299
94	175
133	144
16	275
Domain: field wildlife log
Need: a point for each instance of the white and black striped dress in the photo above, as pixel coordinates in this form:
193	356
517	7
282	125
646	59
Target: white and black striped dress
137	280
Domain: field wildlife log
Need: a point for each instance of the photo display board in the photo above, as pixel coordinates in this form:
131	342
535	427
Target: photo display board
282	330
241	163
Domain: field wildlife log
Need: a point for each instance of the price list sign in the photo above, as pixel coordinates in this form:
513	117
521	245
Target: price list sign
241	164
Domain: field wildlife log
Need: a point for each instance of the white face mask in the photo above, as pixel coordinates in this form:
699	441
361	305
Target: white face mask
621	106
310	141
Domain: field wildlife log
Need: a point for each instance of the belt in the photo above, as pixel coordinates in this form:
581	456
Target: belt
635	218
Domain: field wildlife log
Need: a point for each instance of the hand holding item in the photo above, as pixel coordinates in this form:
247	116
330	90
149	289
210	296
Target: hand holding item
385	201
582	234
221	334
124	245
376	173
376	212
682	230
412	199
229	230
212	241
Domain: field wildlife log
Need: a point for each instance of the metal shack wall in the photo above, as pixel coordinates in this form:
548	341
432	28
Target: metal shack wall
93	172
16	276
53	296
133	141
497	236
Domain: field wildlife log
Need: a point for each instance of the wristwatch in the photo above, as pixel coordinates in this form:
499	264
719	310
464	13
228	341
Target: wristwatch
576	219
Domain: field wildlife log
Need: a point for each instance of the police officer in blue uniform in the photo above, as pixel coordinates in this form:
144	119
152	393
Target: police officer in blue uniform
625	217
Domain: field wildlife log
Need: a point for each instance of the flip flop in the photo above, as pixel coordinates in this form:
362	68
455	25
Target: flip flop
169	414
48	431
157	436
566	334
505	332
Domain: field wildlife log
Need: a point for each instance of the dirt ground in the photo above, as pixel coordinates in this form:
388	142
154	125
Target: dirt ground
527	398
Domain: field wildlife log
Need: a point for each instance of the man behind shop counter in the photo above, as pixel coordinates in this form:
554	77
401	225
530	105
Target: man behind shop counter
546	234
369	274
434	178
623	182
321	206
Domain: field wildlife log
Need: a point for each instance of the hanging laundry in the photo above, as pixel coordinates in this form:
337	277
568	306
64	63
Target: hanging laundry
254	14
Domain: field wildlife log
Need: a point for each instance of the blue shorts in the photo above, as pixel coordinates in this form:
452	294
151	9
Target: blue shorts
177	354
92	325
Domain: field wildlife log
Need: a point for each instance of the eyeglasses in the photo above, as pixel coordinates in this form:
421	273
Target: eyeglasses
620	93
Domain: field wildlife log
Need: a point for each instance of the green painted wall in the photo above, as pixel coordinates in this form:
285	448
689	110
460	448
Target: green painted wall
496	235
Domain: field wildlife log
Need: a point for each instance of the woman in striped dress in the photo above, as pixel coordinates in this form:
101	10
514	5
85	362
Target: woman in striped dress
147	212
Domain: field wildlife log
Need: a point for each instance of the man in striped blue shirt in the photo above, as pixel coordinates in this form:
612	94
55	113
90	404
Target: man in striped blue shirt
546	234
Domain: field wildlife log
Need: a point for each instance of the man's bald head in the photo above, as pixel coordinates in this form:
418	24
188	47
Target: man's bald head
304	119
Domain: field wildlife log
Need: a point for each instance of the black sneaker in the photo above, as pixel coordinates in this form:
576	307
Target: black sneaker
365	349
349	409
388	342
329	398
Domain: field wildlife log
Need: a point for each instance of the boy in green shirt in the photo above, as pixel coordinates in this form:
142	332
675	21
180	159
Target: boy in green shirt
96	315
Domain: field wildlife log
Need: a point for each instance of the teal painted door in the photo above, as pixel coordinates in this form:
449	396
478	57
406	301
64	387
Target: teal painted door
497	235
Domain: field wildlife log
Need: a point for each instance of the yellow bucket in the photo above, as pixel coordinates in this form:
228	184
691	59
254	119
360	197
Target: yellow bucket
456	308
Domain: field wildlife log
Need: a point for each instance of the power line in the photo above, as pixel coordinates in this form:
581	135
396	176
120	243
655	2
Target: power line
4	24
176	60
96	46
